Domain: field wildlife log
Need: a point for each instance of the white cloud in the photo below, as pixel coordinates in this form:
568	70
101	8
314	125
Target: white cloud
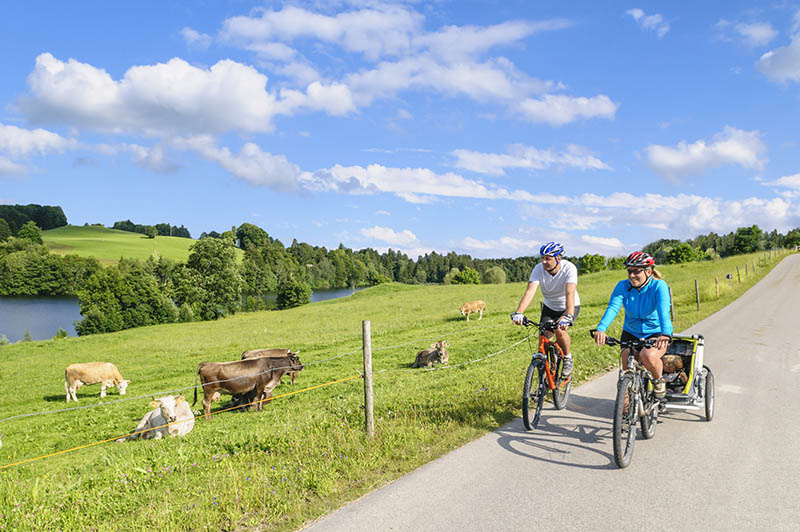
649	22
559	109
527	157
19	142
195	39
10	168
383	213
604	244
250	164
782	64
756	33
731	146
403	238
153	158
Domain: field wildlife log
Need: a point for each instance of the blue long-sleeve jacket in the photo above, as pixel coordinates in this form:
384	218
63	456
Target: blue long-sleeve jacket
646	309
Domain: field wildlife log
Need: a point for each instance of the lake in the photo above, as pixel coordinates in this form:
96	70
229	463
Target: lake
43	316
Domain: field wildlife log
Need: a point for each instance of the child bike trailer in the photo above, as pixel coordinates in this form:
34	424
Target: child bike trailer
690	383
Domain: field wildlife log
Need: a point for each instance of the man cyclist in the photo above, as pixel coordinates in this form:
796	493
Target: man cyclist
645	298
559	280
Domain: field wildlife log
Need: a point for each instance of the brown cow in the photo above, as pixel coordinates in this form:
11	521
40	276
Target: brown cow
435	354
471	307
256	376
274	352
105	373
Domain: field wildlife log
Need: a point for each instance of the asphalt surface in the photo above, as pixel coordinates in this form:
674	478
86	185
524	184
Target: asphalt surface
740	471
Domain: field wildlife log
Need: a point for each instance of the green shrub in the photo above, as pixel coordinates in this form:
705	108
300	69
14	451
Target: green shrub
467	276
293	293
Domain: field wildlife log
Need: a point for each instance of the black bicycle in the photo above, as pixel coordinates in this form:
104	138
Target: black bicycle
543	375
636	400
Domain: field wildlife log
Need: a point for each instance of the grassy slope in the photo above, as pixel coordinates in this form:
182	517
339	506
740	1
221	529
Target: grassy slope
304	454
108	245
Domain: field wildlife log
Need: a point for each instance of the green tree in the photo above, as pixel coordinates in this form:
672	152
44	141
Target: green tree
747	240
60	334
5	230
681	253
150	231
494	275
467	276
30	231
448	279
293	293
792	238
615	263
210	281
27	337
591	263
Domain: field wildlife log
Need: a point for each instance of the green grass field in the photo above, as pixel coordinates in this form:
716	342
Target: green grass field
304	454
108	245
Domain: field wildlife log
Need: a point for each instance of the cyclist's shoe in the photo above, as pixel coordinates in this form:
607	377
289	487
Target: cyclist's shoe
659	388
566	368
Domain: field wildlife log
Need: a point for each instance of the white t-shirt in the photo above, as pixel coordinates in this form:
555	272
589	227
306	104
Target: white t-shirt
554	286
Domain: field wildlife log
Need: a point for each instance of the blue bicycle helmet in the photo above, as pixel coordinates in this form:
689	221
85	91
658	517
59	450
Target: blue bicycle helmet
554	249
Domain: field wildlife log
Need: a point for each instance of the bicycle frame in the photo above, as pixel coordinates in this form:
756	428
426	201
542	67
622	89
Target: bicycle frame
548	351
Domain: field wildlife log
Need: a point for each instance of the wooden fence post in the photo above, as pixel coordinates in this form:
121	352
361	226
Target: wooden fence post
369	422
746	270
697	294
754	265
716	286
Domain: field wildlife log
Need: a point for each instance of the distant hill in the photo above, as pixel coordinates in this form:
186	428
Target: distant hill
108	245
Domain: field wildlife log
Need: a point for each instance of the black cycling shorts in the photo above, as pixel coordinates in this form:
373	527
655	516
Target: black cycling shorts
628	337
549	314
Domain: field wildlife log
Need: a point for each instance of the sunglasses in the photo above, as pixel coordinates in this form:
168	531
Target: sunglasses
635	271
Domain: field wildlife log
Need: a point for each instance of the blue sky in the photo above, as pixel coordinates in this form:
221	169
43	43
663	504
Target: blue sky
484	128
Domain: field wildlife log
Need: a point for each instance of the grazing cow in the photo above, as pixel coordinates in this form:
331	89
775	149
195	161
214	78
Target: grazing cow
272	353
435	354
473	307
171	416
256	376
106	373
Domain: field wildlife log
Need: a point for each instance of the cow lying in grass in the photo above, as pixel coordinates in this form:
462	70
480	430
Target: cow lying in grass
105	373
171	416
257	376
473	307
435	354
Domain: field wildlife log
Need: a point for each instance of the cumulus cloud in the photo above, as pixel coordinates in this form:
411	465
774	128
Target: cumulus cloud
251	164
653	22
783	63
195	39
10	168
559	109
19	142
730	146
153	158
403	238
527	157
749	33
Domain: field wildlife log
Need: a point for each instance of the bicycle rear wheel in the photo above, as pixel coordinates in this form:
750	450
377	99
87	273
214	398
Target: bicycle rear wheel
624	422
533	395
709	394
561	393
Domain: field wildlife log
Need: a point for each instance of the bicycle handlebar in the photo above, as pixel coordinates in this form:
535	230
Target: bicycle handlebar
637	344
546	326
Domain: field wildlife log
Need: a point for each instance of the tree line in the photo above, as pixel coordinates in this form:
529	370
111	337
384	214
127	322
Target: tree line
162	229
13	217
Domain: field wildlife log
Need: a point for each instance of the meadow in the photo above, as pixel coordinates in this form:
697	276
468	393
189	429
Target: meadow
305	453
108	245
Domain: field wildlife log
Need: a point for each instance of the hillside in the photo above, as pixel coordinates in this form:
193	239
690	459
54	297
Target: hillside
304	454
108	245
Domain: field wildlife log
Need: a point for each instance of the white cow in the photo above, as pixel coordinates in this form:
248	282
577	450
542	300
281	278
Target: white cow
106	373
171	416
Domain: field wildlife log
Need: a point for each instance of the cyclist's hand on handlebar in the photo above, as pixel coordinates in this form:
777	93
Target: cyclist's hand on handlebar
518	318
565	321
662	342
599	337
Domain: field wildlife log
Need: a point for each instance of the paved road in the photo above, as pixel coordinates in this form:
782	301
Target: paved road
741	471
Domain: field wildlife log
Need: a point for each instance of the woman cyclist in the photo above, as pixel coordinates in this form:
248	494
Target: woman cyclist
559	280
645	297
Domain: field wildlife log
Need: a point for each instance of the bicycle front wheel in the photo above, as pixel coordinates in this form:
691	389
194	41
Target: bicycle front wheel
533	396
624	422
561	393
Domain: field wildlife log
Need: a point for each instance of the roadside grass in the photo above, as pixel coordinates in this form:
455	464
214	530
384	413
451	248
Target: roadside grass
108	245
304	454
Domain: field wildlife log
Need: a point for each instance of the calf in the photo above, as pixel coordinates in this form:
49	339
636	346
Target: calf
273	352
106	373
171	416
435	354
472	307
258	376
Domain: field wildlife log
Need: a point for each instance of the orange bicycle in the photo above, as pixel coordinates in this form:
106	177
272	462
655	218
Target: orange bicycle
547	363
